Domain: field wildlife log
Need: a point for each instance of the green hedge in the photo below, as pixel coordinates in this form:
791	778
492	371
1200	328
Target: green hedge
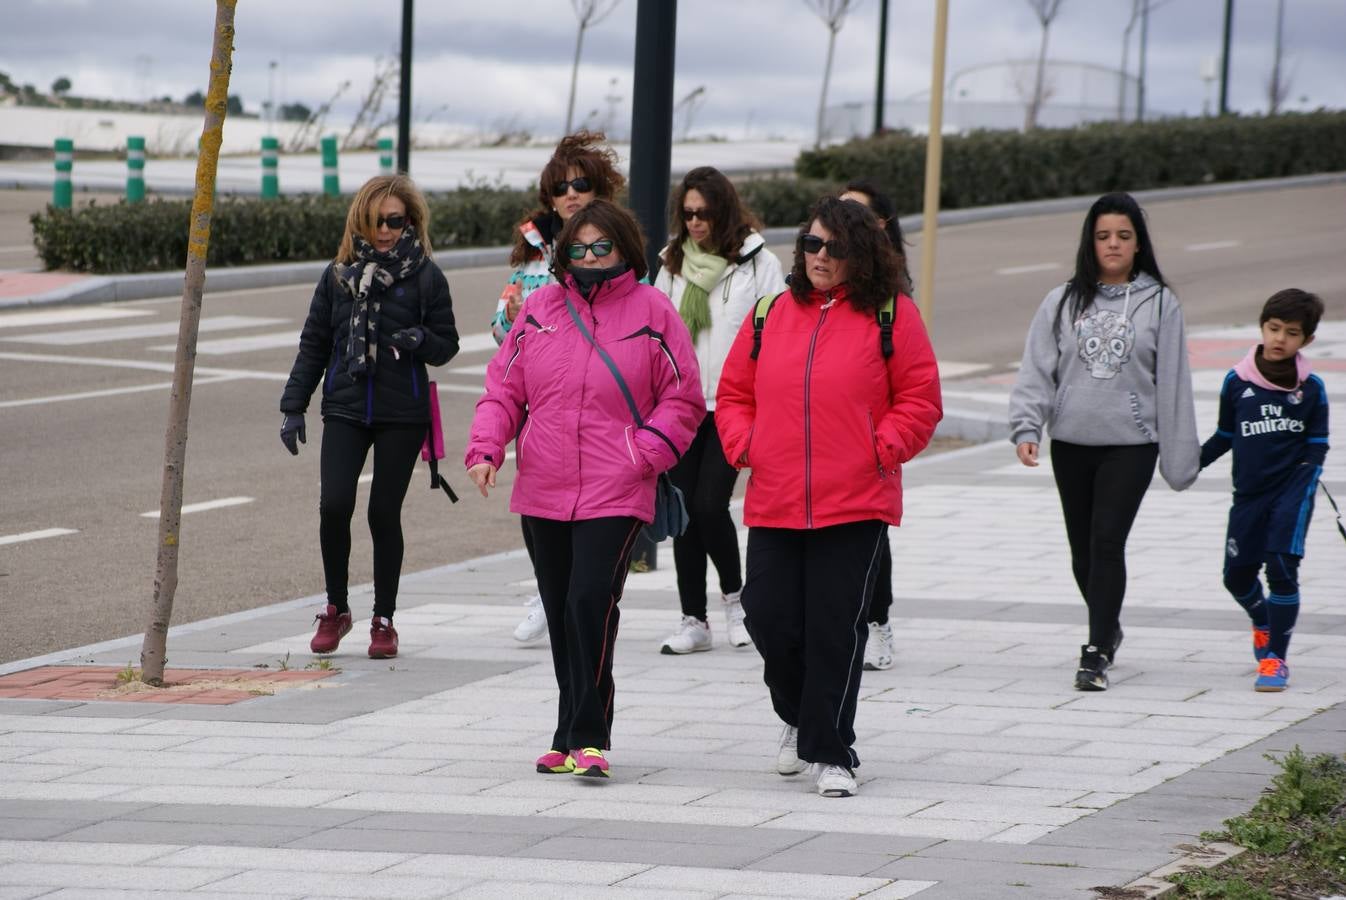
990	167
150	237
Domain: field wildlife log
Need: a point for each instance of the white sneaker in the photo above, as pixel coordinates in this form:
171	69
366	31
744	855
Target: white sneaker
879	647
692	636
534	626
733	619
787	754
836	781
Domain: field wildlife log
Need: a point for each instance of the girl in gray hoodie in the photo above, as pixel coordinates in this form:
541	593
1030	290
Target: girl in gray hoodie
1105	371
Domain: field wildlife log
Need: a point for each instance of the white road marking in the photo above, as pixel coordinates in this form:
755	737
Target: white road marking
36	535
460	388
468	370
958	370
68	315
224	346
112	392
477	342
1032	267
142	365
1212	245
201	507
133	332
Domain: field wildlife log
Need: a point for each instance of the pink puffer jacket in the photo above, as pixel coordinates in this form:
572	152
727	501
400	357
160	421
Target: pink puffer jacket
578	451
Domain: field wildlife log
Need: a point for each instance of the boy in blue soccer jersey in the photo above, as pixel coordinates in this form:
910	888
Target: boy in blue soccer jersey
1273	414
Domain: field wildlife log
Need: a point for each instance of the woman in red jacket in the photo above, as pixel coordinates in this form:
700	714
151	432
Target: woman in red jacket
824	407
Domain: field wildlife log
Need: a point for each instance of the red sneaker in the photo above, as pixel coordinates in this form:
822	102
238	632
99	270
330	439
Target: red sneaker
382	638
332	627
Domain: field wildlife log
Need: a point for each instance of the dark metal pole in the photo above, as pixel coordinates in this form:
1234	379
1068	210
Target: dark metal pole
883	62
1144	44
1224	57
404	95
652	121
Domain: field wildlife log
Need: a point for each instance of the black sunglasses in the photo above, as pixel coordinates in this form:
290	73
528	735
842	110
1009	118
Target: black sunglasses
396	222
601	247
690	214
811	243
581	186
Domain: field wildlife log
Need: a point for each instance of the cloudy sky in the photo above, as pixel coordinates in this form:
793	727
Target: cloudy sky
491	64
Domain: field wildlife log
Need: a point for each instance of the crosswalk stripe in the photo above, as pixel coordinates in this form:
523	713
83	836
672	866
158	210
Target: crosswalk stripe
134	332
68	316
36	535
202	507
223	346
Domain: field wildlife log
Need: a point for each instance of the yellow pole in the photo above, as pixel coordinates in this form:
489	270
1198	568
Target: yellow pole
933	149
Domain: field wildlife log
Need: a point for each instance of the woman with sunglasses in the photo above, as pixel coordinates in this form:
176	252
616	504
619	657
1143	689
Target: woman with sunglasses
582	354
580	170
824	404
714	269
380	315
879	645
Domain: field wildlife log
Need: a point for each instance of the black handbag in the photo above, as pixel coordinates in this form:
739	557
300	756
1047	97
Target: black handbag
670	510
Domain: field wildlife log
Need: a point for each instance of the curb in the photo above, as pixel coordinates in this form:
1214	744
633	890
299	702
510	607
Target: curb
108	288
1197	856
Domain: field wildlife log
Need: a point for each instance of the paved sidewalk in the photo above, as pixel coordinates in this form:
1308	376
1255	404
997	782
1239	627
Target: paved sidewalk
984	774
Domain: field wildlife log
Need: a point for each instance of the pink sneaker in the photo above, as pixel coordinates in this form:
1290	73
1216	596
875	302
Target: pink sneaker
555	762
589	763
332	627
382	638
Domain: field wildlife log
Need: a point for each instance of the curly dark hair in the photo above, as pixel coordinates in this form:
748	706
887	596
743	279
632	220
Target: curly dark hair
612	222
730	221
874	272
585	151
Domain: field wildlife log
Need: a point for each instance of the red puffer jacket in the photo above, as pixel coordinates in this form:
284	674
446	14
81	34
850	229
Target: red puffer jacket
821	418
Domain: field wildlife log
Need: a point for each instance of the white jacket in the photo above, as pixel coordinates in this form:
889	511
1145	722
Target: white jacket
756	273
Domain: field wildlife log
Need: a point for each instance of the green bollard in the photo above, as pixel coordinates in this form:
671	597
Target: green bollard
331	185
61	192
270	168
135	170
386	164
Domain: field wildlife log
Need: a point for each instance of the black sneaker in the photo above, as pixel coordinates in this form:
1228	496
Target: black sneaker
1111	652
1093	671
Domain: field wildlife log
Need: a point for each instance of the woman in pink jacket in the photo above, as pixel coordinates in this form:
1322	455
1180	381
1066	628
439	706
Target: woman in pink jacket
586	467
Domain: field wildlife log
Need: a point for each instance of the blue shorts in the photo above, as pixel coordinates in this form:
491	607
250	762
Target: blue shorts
1274	521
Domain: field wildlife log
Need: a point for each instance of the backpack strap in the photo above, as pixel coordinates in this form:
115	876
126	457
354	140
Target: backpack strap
884	314
759	313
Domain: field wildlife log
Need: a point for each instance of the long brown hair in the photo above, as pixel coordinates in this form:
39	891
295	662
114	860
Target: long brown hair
363	216
873	269
730	221
614	223
585	151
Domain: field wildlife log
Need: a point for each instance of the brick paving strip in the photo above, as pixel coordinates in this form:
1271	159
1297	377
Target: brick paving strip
204	686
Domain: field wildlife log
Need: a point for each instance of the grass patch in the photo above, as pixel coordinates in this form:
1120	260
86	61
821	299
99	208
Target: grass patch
1295	838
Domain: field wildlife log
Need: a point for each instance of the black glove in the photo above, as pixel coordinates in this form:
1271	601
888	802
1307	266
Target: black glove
408	338
293	427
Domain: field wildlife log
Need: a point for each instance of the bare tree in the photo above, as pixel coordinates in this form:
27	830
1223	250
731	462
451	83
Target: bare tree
833	13
370	118
1278	85
589	13
305	137
1045	10
154	649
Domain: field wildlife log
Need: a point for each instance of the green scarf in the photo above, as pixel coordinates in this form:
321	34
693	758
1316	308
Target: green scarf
702	270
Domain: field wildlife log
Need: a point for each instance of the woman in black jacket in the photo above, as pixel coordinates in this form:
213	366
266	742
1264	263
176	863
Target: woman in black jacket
381	313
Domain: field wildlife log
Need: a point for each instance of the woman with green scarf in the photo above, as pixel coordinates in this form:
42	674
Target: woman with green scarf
714	270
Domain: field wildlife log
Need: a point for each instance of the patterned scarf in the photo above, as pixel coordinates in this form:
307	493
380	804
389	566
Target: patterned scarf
702	270
365	280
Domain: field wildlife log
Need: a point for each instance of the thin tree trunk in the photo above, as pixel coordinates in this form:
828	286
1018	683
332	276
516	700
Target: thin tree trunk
1031	119
153	652
574	77
827	78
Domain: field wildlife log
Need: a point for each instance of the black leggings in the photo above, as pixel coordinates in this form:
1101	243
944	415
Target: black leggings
707	482
1101	489
883	588
344	448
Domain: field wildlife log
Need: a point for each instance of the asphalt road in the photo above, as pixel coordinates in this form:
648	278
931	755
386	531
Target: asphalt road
83	404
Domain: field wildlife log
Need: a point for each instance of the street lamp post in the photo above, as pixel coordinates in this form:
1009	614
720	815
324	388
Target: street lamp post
404	95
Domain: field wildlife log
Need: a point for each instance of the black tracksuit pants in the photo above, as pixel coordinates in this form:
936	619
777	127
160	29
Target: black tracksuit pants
707	482
806	598
1101	489
581	569
345	445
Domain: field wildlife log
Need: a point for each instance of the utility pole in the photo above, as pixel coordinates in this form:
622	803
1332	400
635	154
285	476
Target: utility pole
1275	89
883	62
1224	57
404	95
934	149
1144	46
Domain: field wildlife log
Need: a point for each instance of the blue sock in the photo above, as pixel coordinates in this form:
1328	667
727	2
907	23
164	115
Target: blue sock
1244	585
1282	611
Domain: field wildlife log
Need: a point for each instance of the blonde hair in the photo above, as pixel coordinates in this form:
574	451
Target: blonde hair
363	216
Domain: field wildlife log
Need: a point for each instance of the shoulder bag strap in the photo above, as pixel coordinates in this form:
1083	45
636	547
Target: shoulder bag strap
607	361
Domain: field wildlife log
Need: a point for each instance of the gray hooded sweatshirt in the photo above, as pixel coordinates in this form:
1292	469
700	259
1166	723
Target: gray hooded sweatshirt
1117	376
